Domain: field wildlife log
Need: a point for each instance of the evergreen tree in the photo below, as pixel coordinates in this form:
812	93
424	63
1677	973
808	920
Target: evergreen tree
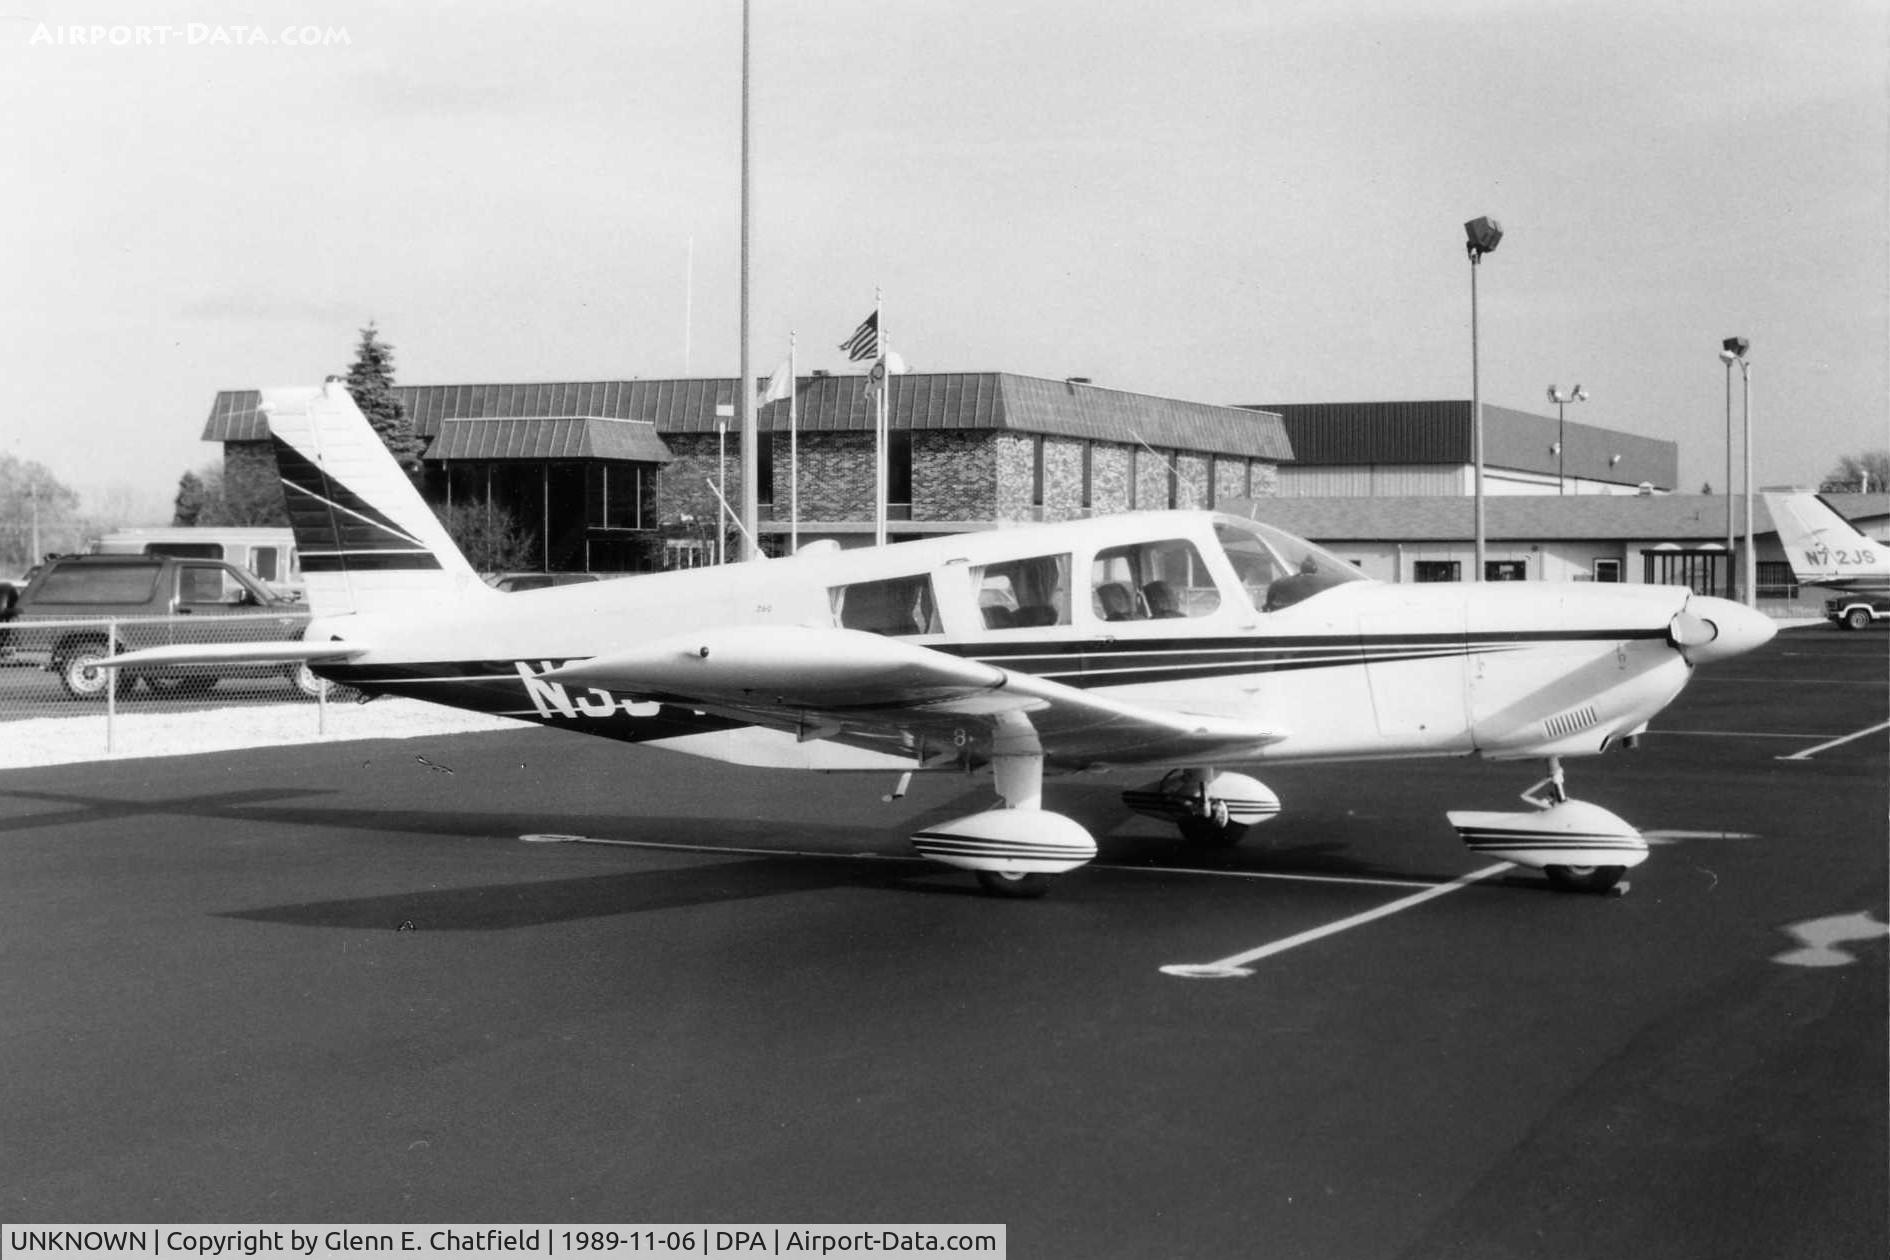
187	508
371	381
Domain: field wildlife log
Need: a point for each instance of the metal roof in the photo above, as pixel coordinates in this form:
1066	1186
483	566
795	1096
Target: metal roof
1534	517
929	400
549	437
1441	433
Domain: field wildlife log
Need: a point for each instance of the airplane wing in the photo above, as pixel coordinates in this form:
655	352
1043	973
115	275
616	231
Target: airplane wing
867	689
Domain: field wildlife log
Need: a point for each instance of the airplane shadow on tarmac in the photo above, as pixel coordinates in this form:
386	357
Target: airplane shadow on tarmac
730	867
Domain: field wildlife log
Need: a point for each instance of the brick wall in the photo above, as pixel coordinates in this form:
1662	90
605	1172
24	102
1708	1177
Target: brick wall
954	476
684	489
1111	469
1015	454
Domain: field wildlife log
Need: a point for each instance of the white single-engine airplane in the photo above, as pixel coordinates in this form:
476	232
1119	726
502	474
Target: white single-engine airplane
1823	548
1179	641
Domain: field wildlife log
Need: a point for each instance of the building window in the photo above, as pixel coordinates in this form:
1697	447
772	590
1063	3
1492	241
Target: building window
1036	471
1174	480
1701	571
1437	571
899	474
1607	569
1505	570
764	469
1089	469
1776	580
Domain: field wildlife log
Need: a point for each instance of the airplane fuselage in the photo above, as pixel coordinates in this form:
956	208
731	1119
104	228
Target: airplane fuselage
1356	669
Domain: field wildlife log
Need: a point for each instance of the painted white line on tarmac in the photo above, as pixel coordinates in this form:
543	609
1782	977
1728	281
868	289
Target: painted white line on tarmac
724	850
1806	753
1235	965
728	850
1742	734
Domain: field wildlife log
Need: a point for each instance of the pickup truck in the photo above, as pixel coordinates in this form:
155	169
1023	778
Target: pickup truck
1854	612
77	610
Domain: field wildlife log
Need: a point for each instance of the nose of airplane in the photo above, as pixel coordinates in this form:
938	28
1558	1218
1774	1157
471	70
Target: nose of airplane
1713	629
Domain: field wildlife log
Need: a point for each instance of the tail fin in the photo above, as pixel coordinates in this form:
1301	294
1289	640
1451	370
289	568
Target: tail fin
368	541
1825	549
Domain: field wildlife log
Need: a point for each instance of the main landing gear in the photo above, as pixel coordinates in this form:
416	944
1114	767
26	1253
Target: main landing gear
1580	846
1015	849
1212	809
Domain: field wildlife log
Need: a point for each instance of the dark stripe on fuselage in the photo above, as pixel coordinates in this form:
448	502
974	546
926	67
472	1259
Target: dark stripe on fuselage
1123	663
497	687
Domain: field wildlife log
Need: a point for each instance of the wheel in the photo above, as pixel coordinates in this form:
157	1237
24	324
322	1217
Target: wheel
1005	884
1857	619
1207	834
1592	879
305	681
80	674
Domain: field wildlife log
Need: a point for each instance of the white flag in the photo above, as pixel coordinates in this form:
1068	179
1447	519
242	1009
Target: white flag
780	385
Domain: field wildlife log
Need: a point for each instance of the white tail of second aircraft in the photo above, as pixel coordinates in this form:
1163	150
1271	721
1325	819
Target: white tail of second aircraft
368	541
1825	549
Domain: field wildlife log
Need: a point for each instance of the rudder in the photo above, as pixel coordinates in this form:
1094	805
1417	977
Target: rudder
368	541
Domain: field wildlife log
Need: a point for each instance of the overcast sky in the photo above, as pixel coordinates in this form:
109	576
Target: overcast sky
1256	201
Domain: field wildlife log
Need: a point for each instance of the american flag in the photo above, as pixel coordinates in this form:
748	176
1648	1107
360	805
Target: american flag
864	343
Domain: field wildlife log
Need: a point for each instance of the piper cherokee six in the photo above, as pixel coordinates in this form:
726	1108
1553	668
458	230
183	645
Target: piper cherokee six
1181	643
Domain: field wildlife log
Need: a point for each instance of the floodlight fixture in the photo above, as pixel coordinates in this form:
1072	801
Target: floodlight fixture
1483	235
1561	401
1736	347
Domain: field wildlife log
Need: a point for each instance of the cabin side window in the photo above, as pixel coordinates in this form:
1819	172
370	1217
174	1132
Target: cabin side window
1019	594
895	606
1152	581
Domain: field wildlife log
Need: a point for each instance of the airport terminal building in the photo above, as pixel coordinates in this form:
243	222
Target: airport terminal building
619	476
622	476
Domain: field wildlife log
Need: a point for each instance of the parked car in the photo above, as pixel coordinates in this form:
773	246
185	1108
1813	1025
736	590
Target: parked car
1855	612
538	581
77	610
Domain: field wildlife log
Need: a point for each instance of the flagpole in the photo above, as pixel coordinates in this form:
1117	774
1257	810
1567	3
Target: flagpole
879	422
751	500
794	451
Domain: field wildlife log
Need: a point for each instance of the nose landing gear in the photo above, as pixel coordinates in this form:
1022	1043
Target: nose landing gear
1578	845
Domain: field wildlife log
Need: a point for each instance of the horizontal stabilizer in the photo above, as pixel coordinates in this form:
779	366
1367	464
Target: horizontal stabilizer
285	650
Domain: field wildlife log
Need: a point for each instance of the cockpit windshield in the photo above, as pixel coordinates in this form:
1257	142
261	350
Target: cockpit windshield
1276	568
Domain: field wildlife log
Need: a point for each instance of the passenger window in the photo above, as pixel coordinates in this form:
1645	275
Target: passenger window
1151	581
895	606
200	584
1018	594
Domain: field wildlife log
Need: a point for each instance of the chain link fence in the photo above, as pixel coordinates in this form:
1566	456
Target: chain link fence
54	669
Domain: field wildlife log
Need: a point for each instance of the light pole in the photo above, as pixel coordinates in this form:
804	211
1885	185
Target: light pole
1561	402
721	491
1731	351
1482	235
